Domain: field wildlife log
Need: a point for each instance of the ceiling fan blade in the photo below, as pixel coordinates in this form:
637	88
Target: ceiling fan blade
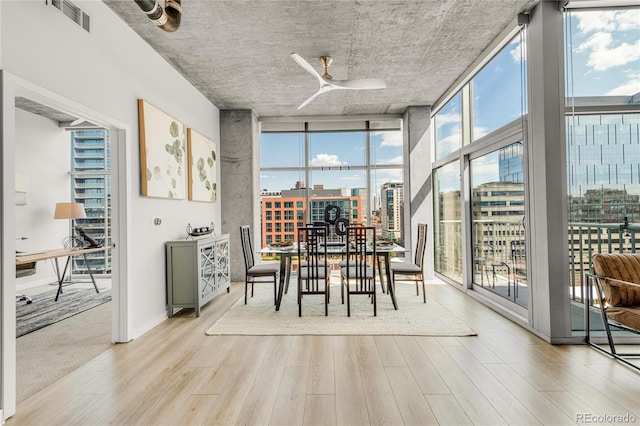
323	89
307	66
358	84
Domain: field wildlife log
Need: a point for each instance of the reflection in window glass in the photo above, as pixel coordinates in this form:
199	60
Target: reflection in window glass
499	89
448	124
497	204
447	221
601	73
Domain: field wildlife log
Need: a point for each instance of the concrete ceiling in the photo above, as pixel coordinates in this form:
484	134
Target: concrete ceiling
237	52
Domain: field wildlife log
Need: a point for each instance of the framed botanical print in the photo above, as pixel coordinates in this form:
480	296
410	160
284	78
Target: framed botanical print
202	167
162	153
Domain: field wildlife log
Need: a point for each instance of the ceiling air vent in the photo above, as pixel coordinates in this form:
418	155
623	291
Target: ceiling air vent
73	12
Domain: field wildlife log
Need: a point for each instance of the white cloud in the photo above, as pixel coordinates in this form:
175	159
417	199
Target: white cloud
596	21
450	143
517	52
391	139
326	160
479	132
610	20
442	119
352	177
603	56
628	88
394	160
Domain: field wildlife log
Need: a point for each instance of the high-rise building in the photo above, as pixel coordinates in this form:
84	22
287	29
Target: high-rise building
391	197
91	186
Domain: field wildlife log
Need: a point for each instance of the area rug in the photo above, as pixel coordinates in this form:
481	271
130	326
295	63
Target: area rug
45	310
413	317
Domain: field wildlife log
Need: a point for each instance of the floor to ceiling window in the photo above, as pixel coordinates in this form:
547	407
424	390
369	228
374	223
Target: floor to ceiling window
91	186
602	75
355	166
479	156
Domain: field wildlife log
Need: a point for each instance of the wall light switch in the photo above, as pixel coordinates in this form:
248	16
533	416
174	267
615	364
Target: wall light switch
156	221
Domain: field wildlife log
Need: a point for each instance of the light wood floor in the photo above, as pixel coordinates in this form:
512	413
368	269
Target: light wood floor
175	375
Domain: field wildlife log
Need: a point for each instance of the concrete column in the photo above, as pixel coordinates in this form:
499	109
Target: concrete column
417	179
239	170
548	262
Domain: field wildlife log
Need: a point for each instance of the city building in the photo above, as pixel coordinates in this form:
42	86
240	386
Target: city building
282	215
91	186
391	212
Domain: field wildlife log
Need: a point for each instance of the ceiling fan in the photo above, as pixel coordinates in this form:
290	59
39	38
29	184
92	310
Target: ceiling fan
327	83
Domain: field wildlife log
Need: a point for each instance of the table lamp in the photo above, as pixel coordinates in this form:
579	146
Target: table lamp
69	211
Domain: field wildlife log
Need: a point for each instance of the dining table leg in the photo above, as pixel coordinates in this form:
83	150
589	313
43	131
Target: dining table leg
285	273
378	257
390	286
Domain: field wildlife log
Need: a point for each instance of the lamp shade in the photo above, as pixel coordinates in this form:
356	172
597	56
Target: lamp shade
69	211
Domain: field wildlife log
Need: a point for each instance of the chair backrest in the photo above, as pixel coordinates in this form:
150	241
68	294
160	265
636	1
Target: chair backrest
247	248
421	244
361	243
619	266
312	248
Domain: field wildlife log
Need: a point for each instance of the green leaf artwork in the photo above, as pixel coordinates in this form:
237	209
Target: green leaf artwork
162	142
203	168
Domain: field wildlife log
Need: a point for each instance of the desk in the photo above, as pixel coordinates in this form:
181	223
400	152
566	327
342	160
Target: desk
286	253
23	258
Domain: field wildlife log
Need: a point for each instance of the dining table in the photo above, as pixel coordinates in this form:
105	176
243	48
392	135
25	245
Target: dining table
286	253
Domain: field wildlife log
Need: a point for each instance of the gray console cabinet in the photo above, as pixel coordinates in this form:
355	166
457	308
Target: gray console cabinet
197	271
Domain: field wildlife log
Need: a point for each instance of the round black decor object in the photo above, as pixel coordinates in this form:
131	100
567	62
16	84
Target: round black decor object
327	214
341	226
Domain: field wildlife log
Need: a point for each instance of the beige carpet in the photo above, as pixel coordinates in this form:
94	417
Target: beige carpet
50	353
413	317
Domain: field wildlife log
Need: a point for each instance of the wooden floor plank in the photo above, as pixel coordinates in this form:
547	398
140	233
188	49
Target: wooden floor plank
509	407
321	369
351	404
288	407
426	375
474	403
259	402
389	351
413	407
544	410
381	404
447	410
320	410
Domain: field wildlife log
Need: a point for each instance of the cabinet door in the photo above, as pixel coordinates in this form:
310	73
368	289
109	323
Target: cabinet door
207	270
222	264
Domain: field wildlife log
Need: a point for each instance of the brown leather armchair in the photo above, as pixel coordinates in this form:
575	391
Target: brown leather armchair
617	284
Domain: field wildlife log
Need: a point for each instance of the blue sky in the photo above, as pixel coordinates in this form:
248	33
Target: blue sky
603	53
606	53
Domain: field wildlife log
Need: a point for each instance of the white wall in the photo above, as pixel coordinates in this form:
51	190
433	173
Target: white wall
104	72
42	157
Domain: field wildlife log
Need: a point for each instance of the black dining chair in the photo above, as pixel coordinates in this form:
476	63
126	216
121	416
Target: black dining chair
358	275
313	272
408	271
256	273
